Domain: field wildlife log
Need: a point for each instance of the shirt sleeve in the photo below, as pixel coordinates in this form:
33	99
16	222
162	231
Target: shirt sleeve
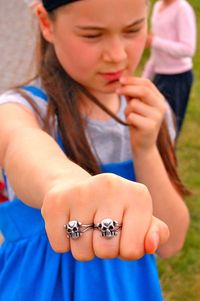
14	97
186	44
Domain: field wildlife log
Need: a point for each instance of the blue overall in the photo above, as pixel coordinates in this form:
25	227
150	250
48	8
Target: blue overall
31	271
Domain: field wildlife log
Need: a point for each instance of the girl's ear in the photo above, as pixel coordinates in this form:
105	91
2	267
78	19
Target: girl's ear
45	23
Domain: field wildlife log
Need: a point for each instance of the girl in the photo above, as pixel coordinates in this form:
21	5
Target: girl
102	227
172	43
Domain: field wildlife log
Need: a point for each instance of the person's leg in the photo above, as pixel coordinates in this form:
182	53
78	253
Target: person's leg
165	84
183	90
176	90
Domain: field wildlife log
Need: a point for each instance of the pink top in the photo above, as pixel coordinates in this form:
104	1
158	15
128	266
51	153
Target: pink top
174	43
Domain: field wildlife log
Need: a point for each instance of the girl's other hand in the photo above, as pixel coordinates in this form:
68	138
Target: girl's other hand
94	199
144	112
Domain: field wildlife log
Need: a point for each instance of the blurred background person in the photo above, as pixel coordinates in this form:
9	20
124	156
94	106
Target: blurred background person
172	41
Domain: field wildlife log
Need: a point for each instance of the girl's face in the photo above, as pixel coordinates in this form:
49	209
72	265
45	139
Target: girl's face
98	41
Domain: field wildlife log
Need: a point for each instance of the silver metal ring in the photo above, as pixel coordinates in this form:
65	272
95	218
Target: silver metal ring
75	229
108	227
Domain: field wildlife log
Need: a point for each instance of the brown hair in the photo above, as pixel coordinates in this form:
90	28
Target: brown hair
63	103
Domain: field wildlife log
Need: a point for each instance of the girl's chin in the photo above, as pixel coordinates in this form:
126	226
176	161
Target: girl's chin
111	87
105	89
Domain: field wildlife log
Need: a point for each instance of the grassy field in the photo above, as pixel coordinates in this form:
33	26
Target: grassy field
180	275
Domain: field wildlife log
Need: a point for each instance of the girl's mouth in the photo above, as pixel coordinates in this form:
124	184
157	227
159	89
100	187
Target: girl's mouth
112	76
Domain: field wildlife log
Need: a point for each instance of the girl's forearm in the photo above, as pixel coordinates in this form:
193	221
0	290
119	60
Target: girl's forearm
167	203
34	163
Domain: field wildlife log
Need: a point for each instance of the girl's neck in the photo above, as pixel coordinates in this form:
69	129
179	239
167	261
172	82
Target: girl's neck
93	111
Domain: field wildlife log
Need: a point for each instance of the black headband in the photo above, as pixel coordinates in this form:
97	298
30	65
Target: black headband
52	4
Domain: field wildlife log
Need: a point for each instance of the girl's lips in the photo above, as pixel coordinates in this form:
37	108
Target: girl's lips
112	76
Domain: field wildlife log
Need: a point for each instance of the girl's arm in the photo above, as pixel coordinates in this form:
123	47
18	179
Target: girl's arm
30	156
167	203
145	112
43	177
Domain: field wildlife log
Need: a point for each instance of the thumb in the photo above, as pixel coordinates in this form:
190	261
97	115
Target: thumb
157	235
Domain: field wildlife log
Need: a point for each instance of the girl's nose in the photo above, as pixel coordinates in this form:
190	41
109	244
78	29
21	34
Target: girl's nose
114	51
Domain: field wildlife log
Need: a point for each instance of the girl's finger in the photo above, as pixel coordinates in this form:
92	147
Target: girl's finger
138	107
105	220
82	246
136	221
82	210
139	81
145	95
54	224
141	123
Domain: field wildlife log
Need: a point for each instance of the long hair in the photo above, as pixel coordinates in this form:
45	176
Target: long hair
64	106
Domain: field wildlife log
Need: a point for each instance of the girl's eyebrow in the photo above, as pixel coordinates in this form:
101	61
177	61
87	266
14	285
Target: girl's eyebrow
91	27
138	22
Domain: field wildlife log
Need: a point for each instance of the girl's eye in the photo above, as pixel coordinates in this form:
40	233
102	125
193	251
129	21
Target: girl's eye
92	36
132	31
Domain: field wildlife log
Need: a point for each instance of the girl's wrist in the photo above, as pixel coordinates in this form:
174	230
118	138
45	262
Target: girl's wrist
145	154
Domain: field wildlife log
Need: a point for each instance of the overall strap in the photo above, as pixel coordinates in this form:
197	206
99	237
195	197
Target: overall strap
36	92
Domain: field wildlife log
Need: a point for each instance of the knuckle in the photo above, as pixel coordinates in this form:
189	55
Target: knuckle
109	180
48	204
143	190
54	201
144	195
73	194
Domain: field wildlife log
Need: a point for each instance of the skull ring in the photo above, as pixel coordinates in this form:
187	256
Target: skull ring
75	229
108	227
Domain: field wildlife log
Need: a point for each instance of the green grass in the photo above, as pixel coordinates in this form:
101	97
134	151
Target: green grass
180	275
